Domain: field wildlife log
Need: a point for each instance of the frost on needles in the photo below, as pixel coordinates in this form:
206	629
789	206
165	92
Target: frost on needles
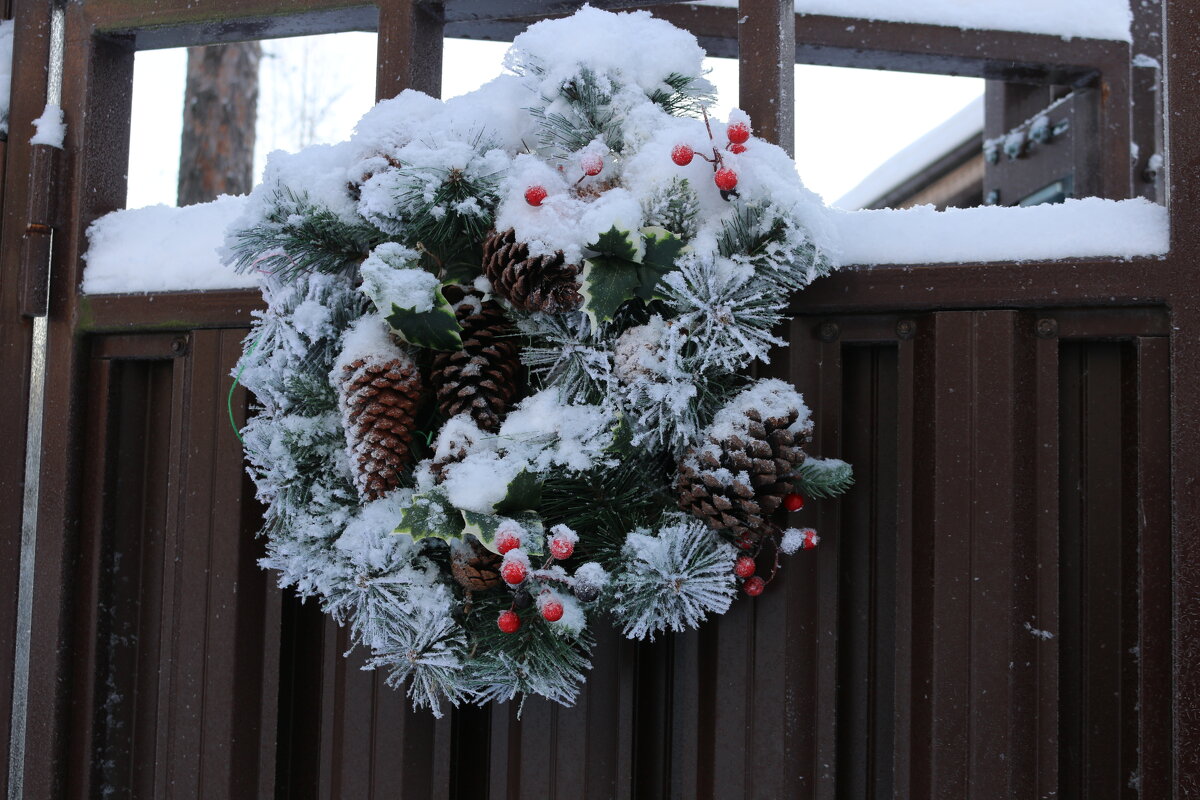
507	338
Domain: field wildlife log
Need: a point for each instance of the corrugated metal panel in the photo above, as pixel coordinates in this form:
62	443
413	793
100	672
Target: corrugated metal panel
903	658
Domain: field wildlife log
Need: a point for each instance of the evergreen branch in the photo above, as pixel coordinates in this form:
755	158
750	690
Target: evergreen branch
298	237
673	580
537	659
823	477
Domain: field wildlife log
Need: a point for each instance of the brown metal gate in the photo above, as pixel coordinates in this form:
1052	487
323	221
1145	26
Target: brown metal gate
1006	605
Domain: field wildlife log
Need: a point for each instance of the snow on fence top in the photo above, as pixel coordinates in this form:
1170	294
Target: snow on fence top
159	249
1090	227
1092	19
162	249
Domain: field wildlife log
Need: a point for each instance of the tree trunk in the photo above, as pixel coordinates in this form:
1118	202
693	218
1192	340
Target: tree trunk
220	104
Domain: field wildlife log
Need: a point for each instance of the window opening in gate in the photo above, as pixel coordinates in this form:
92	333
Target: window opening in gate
310	90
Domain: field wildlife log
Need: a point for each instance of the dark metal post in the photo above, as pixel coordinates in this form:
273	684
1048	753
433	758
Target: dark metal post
766	64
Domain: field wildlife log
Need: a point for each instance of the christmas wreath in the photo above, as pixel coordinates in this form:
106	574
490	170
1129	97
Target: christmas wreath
501	380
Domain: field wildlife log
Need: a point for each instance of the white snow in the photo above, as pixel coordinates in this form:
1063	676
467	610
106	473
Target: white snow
554	51
965	125
794	538
368	338
51	129
6	51
1093	19
392	276
1090	227
160	249
769	397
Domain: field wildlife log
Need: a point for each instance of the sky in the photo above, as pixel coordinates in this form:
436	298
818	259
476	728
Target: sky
314	89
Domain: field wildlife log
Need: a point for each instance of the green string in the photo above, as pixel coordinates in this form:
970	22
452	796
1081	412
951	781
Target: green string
236	380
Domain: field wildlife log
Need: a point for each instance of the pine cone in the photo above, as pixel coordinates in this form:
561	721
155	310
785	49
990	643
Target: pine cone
379	398
476	569
482	378
531	283
735	484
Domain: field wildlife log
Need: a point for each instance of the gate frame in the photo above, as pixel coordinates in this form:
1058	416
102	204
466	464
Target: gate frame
102	36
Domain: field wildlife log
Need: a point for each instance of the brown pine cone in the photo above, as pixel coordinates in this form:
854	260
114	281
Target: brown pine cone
530	283
735	484
476	568
482	378
379	398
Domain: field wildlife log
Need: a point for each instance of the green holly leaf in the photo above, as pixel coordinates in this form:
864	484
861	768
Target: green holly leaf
661	248
626	267
431	515
606	284
437	328
524	493
618	244
484	527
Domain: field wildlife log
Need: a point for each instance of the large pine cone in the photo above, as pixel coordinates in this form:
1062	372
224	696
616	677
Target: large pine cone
476	568
531	283
379	398
735	484
482	378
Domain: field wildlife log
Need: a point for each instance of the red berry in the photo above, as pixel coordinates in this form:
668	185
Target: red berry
682	155
745	541
726	179
513	572
793	502
561	548
534	195
738	132
552	610
507	541
592	164
810	539
509	622
754	587
744	567
737	147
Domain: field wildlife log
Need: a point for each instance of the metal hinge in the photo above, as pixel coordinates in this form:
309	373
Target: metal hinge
37	242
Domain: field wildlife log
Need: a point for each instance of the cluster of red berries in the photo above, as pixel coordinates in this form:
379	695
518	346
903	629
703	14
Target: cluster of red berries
726	179
515	569
592	165
745	567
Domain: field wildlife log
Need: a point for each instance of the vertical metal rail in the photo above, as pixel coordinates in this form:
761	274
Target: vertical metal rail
33	466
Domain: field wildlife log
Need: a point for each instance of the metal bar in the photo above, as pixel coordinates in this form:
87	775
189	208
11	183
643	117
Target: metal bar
873	44
410	49
766	72
96	73
1047	526
1154	567
904	685
1083	282
33	282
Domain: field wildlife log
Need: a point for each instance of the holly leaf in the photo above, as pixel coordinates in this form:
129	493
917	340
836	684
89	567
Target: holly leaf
606	284
431	515
485	526
437	328
524	493
626	267
618	244
661	247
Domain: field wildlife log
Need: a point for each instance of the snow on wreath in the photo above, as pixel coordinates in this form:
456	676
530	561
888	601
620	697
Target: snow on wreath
501	379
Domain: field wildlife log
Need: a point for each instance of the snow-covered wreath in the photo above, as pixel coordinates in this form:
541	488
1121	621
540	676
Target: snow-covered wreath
501	378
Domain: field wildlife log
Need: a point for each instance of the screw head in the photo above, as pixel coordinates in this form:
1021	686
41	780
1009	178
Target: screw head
828	332
906	329
1046	328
